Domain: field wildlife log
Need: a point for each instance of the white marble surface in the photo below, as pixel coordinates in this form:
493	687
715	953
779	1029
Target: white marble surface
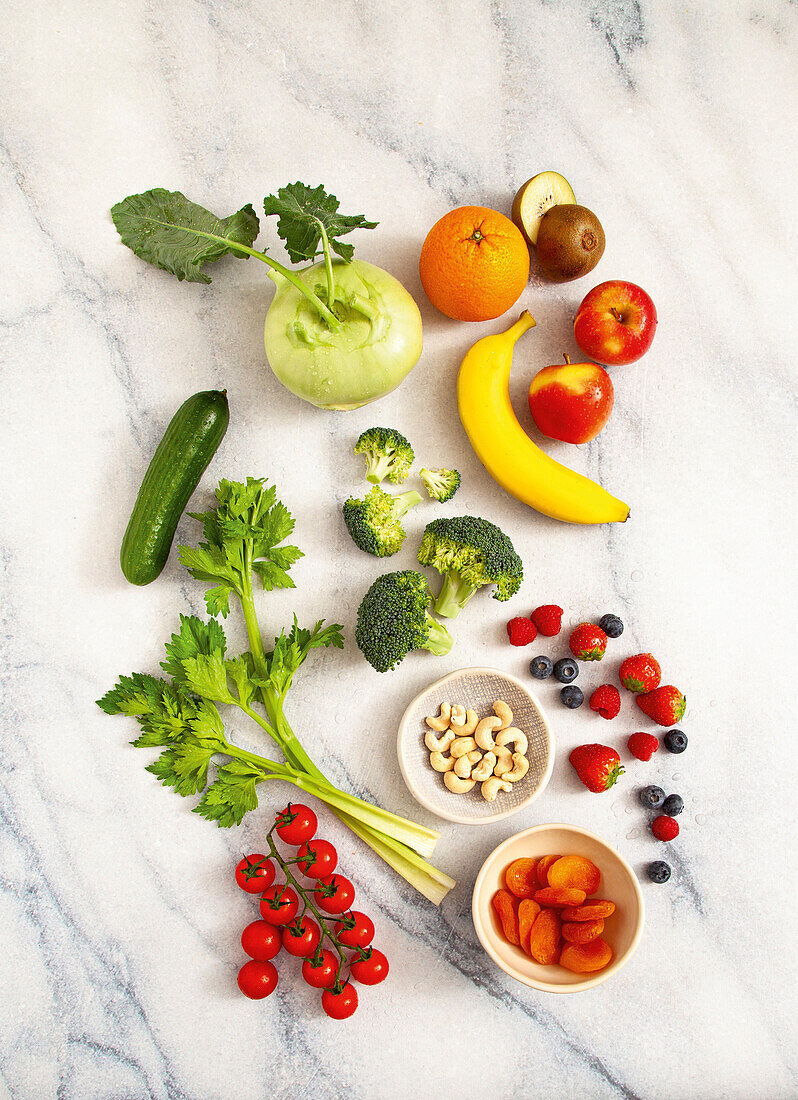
120	924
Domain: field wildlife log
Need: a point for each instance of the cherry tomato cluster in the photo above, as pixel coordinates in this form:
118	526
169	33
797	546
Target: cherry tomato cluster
287	923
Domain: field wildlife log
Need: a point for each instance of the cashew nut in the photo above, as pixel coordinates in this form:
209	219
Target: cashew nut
485	730
520	768
458	716
513	736
491	787
484	769
439	744
457	785
440	722
440	762
504	760
471	723
504	712
461	745
464	764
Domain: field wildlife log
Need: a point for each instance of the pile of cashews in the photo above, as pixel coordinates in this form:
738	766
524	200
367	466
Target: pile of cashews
469	751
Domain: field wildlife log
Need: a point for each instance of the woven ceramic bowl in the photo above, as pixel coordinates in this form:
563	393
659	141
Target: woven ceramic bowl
477	688
618	883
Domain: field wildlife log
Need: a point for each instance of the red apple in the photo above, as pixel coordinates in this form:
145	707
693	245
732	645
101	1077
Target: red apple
571	402
615	323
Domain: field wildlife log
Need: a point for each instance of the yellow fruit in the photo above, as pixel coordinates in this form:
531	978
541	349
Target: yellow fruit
507	452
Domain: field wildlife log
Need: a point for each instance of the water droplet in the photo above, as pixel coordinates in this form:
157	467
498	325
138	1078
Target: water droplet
700	819
632	835
340	719
637	574
628	809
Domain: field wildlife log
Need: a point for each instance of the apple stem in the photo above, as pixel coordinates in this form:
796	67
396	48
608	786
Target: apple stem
567	359
615	313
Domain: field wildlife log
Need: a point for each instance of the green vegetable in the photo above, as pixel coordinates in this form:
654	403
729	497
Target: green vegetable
339	333
441	484
374	523
387	453
469	552
244	534
190	441
394	619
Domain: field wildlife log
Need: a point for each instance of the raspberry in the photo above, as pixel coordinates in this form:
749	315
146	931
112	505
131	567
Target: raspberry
665	828
642	745
606	701
548	619
521	631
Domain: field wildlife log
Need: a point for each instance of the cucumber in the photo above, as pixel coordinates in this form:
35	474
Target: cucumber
189	443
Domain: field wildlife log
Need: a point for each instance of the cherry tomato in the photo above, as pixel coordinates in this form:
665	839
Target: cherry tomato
254	873
369	967
355	930
301	938
296	824
334	894
320	972
339	1006
279	904
261	940
317	859
257	979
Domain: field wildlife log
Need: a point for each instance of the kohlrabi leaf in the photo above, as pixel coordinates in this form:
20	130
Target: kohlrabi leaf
165	229
302	212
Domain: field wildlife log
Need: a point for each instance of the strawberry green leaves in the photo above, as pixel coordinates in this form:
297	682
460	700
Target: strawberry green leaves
167	230
305	215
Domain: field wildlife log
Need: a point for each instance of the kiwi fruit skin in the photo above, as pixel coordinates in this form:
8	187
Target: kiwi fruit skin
570	242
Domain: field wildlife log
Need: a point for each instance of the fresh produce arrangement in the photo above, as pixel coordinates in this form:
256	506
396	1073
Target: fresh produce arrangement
545	911
471	750
310	918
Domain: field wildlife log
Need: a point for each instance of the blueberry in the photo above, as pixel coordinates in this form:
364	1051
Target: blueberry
659	871
611	625
652	797
566	670
674	740
673	805
572	697
541	667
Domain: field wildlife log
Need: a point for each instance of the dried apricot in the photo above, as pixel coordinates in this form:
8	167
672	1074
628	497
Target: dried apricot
582	931
527	913
575	871
544	939
543	869
560	895
595	909
521	879
584	958
505	906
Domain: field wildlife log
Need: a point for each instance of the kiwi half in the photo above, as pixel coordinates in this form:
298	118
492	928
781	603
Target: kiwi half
535	197
570	242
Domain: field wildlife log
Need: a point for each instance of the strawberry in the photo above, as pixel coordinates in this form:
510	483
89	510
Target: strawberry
640	673
606	701
598	766
642	745
588	642
666	705
521	631
548	619
665	828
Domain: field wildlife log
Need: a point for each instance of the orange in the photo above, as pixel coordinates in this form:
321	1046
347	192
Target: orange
474	264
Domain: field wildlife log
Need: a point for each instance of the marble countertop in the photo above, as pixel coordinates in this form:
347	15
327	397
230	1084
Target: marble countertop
119	919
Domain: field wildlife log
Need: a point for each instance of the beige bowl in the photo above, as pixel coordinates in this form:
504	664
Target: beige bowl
618	883
477	688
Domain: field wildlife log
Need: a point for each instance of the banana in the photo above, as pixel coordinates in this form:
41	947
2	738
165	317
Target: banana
507	452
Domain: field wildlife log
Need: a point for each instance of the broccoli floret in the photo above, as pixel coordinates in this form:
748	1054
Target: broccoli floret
374	523
469	552
441	484
387	453
394	619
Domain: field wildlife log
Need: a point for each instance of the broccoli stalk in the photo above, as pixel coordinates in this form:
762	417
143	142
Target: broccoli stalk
374	523
388	455
469	552
441	484
394	619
